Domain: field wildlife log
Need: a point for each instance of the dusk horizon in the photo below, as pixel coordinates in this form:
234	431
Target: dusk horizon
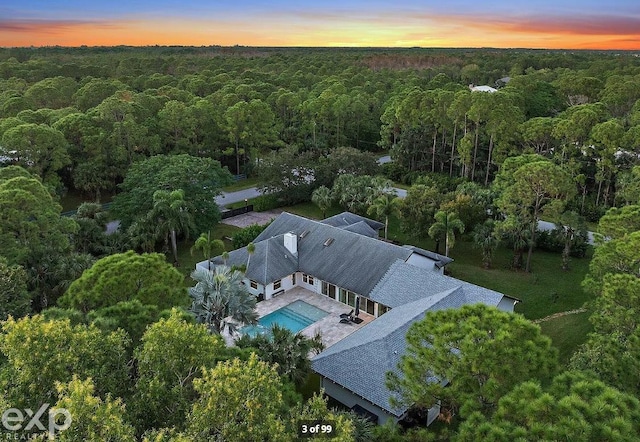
563	24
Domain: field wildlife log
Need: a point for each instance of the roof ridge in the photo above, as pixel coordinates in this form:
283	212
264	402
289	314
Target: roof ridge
266	261
393	264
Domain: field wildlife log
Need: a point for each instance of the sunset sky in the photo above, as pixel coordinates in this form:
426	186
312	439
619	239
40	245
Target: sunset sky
571	24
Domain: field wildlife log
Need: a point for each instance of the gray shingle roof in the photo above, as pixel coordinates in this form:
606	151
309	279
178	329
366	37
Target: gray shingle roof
347	218
361	228
440	260
360	361
352	261
404	283
270	262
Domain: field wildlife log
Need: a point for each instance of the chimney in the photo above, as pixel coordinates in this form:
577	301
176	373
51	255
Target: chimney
291	242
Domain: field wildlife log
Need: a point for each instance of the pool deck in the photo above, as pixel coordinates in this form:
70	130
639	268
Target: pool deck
329	327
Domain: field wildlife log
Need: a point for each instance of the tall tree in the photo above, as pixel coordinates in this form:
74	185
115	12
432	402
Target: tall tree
14	298
384	206
172	355
484	238
208	246
468	358
536	185
38	147
251	249
171	215
612	351
124	277
418	208
93	419
38	353
570	224
220	294
618	222
252	124
200	178
573	407
620	255
445	226
322	198
238	401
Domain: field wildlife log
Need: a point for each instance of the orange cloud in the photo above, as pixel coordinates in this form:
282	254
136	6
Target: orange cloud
374	28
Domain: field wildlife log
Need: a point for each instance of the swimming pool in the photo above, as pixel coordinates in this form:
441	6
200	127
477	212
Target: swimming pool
296	316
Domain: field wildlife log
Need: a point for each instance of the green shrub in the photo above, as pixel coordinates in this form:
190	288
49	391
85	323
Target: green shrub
266	202
246	235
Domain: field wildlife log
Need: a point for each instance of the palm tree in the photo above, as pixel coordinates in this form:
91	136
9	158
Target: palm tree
446	224
220	294
289	350
171	213
517	233
207	245
322	198
143	235
251	249
485	239
384	206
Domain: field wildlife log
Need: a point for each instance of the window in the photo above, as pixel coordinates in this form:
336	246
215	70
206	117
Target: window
382	309
293	279
254	285
342	296
307	278
277	284
351	299
367	305
328	290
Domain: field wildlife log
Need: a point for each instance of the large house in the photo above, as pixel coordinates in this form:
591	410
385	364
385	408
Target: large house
342	258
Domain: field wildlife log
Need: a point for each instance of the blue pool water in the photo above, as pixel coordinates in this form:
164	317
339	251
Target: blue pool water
295	317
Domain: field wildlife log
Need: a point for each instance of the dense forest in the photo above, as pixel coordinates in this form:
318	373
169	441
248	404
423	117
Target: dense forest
90	325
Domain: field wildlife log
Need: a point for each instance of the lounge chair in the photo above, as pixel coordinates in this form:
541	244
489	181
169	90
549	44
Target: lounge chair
345	320
346	315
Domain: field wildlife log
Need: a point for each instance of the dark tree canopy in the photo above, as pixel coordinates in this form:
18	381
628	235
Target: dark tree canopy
199	178
125	277
574	407
479	351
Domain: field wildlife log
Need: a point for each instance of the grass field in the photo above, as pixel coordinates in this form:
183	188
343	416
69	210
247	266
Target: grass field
567	333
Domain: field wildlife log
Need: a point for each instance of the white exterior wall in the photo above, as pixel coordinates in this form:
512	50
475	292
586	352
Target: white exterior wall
285	284
424	263
256	292
316	287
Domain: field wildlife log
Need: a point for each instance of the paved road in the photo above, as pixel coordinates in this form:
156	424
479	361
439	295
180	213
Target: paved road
234	197
544	226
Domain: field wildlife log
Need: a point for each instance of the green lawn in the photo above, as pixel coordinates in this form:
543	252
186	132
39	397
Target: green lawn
546	290
567	333
73	199
242	184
